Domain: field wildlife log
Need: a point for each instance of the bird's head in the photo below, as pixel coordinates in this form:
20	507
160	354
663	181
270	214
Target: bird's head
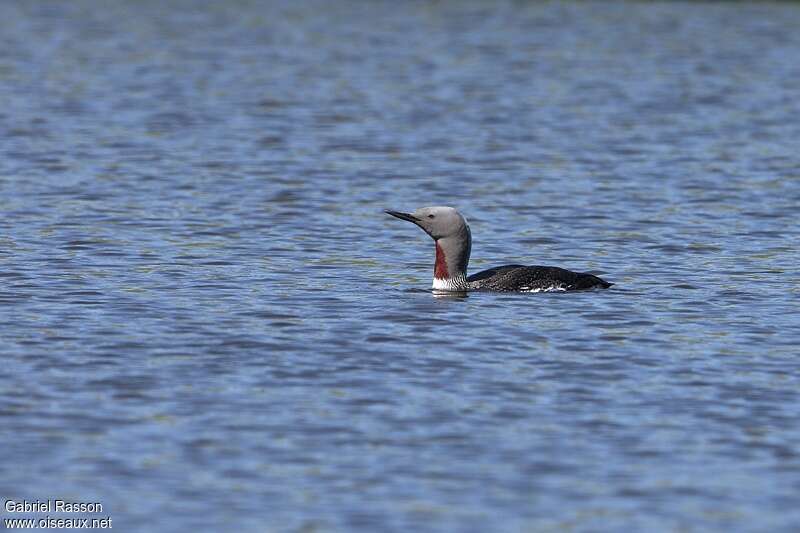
439	222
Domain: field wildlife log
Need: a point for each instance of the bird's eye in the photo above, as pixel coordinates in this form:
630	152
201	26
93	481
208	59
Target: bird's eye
431	216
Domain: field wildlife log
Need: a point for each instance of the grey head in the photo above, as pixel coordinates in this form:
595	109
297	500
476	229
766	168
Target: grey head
439	222
451	232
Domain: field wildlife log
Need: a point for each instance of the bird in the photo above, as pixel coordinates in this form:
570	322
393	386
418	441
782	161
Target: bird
453	238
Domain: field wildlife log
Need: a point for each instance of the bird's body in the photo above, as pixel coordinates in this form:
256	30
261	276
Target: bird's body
519	278
451	233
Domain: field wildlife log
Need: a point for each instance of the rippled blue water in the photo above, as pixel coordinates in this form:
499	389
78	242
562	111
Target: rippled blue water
209	324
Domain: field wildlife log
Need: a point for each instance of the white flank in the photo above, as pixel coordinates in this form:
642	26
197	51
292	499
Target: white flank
552	288
449	284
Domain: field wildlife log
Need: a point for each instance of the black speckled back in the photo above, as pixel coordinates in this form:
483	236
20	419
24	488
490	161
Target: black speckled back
520	278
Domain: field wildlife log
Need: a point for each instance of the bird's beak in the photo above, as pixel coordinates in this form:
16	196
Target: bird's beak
404	216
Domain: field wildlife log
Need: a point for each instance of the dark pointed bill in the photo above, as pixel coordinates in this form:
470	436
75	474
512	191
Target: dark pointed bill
403	216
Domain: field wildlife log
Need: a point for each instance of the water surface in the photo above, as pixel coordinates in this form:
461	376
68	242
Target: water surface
208	322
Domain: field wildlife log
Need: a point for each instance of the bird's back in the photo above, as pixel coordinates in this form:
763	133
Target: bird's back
520	278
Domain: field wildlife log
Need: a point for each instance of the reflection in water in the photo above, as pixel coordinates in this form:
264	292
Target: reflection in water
449	295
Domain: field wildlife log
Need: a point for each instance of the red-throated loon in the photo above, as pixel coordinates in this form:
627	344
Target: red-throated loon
450	232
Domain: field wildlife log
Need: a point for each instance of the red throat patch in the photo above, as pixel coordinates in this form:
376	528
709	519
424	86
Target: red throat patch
440	268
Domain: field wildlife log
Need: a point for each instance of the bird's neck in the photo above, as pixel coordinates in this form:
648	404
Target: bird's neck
452	258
